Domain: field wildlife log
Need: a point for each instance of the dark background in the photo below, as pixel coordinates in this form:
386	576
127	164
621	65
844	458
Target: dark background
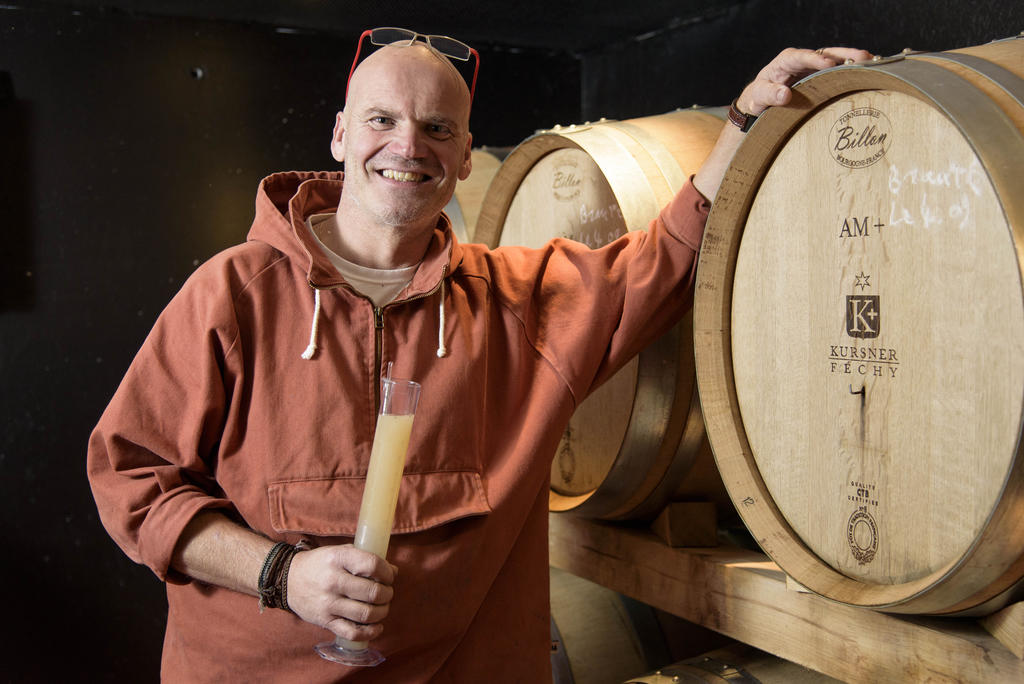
133	137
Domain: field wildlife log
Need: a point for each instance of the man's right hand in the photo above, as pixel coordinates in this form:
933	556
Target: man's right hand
342	589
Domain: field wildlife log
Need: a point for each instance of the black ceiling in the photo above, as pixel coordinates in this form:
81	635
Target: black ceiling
550	25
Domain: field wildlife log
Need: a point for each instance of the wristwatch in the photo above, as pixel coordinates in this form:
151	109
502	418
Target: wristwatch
743	121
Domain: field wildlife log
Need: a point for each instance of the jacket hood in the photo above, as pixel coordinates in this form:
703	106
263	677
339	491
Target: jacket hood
273	223
285	200
283	203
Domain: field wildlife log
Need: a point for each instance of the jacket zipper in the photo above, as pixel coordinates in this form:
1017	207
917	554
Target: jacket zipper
378	334
378	343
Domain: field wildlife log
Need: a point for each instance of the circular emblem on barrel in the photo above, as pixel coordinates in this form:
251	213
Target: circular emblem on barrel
567	182
860	137
862	535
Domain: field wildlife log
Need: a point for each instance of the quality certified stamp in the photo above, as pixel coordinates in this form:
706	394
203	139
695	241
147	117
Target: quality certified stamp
862	535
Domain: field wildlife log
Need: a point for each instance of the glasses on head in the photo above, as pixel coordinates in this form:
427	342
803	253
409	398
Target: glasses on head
449	47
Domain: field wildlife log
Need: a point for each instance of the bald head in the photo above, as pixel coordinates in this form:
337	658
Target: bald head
413	68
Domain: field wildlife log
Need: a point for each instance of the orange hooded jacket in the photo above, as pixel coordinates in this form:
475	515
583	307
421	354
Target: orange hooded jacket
221	409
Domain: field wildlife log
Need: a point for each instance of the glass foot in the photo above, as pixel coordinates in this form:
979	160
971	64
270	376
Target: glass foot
364	657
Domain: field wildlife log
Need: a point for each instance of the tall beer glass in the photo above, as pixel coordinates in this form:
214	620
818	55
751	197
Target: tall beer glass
377	510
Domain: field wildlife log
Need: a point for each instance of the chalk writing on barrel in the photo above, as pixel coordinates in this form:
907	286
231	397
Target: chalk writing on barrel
944	195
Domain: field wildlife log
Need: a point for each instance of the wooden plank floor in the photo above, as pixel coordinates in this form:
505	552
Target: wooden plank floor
744	595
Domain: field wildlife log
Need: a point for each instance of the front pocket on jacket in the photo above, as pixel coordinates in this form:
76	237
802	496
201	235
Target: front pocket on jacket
329	507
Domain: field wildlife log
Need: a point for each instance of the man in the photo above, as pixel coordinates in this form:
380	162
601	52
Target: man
229	433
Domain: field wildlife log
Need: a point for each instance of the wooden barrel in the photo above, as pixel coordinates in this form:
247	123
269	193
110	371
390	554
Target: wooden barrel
599	635
464	206
631	442
734	664
859	331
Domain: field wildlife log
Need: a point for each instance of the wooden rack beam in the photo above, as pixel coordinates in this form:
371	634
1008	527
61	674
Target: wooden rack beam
743	595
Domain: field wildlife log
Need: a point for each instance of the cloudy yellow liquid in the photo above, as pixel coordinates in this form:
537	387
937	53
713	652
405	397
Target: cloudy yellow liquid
387	460
377	510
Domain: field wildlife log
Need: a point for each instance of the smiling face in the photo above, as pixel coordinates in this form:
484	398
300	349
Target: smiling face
404	138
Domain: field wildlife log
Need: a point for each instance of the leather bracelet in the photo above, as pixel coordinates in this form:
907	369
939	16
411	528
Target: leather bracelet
741	120
273	580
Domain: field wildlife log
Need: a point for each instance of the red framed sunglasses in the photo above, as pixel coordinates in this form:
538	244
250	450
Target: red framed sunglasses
449	47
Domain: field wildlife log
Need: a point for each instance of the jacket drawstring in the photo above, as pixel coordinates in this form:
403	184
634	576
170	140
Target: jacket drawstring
442	350
311	349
